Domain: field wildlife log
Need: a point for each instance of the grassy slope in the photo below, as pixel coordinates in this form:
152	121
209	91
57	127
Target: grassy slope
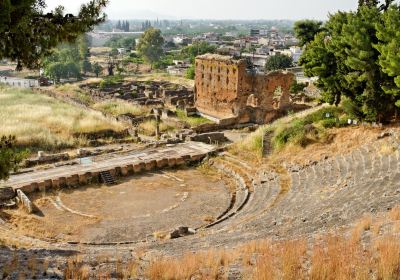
42	122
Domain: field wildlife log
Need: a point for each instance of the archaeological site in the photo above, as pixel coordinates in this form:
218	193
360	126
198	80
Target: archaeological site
223	149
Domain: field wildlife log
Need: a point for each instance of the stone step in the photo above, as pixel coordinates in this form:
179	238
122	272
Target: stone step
107	178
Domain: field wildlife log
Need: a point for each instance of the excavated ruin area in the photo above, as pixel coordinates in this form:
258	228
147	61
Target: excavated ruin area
140	208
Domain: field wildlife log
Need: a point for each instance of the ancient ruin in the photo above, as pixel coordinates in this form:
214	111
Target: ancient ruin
229	90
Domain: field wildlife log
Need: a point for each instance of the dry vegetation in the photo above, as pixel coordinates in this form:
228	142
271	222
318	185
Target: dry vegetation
291	142
119	107
162	76
42	122
149	127
329	257
355	253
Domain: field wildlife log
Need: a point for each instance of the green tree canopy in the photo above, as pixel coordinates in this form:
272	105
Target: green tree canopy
151	45
356	55
28	34
278	62
97	69
121	42
305	30
10	157
198	48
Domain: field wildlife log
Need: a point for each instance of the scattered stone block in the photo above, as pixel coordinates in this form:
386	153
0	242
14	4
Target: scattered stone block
182	232
6	193
25	201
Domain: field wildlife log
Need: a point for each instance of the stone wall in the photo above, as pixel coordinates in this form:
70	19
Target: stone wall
225	88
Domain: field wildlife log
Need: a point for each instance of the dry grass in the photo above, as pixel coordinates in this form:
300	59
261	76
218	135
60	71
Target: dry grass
149	128
162	76
251	147
363	225
41	122
394	214
120	107
339	259
388	263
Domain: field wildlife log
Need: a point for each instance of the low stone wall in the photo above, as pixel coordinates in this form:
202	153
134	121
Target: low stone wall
25	201
107	133
210	127
86	178
43	158
208	138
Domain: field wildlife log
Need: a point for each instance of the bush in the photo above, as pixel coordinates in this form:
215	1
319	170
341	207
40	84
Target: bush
351	109
110	81
330	123
190	73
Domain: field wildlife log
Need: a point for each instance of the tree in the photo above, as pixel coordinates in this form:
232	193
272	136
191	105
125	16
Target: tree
388	47
296	87
305	30
190	73
355	55
55	71
10	157
278	62
86	66
28	34
97	69
198	48
150	45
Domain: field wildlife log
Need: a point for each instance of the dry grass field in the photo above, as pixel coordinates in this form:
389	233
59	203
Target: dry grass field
41	122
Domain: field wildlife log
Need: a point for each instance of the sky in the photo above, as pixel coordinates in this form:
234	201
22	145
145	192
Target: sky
216	9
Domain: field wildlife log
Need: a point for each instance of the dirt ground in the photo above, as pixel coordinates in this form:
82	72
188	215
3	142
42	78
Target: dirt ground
137	208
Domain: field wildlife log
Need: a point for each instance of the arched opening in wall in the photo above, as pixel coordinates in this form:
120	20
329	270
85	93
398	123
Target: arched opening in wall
219	78
234	71
252	101
227	71
227	80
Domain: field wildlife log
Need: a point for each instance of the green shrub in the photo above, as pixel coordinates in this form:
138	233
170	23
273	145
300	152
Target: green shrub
351	109
330	123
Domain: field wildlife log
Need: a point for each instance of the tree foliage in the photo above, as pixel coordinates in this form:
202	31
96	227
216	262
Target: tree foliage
305	30
121	42
68	60
28	34
150	46
10	157
97	69
198	48
356	55
278	62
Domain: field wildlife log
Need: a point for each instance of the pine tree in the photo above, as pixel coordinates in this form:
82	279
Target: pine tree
388	47
27	34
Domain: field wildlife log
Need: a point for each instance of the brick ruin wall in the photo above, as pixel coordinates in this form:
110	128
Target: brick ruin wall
225	89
